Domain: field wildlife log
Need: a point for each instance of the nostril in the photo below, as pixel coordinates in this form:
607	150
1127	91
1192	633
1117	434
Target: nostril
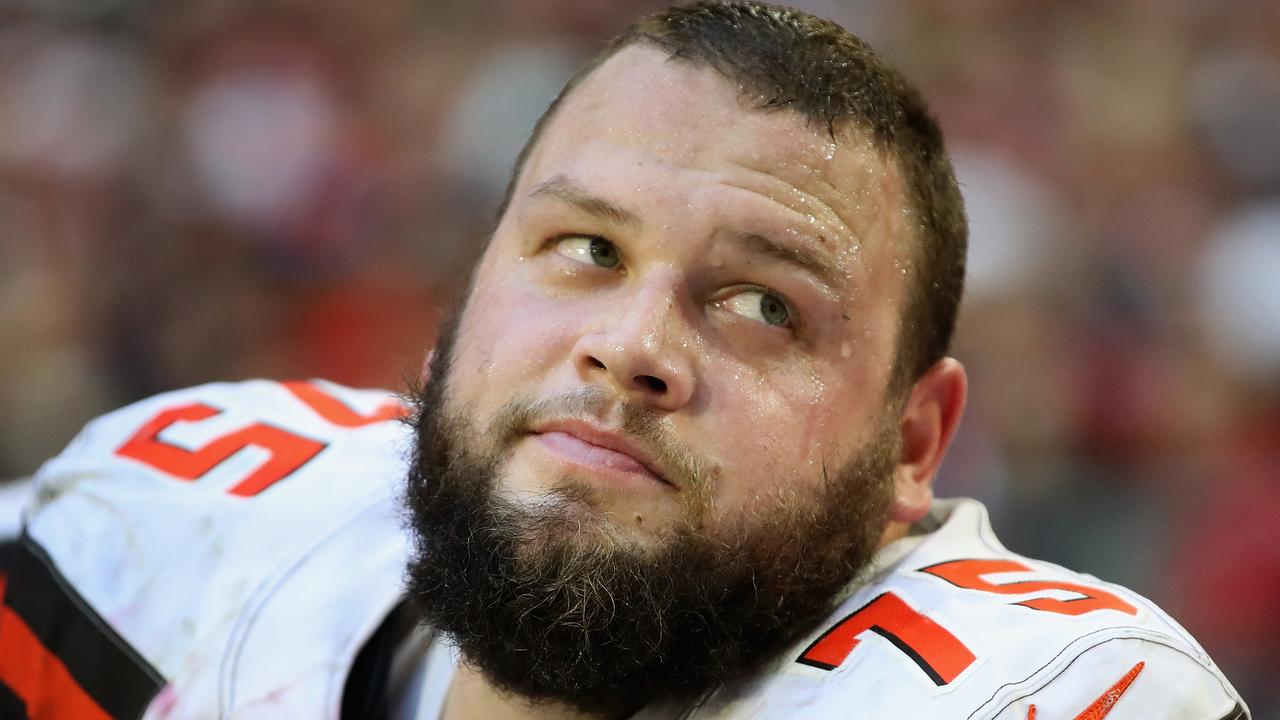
596	362
653	383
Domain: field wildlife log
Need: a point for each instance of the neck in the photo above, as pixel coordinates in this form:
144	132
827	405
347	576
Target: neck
472	697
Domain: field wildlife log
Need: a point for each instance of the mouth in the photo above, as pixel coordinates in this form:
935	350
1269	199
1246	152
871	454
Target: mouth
598	450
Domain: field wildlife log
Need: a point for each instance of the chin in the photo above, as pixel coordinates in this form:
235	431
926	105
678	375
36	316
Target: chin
577	513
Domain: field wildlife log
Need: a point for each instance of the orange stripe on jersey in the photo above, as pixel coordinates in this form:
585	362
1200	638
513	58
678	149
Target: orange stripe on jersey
38	678
1102	706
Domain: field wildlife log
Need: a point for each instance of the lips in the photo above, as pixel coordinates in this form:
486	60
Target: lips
595	448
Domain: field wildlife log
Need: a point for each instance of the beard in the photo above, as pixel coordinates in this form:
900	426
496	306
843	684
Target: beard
552	602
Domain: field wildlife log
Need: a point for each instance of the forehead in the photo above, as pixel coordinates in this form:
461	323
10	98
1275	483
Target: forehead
648	126
671	105
641	108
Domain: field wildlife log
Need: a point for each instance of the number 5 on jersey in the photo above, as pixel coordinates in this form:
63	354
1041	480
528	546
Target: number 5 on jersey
287	451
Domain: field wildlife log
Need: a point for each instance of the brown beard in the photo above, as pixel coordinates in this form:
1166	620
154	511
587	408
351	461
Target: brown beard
551	610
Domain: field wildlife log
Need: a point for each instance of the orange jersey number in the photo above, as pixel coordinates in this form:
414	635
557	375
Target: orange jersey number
969	574
932	647
288	451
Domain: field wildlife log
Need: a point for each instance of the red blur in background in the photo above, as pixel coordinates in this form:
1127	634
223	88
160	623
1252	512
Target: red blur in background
215	189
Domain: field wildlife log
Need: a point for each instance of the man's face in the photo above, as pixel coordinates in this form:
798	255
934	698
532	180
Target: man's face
657	445
699	298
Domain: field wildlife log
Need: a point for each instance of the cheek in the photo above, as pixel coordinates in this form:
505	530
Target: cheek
771	433
779	428
509	337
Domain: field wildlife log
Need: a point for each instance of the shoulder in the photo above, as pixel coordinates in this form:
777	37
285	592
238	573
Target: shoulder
197	527
955	625
199	435
1123	677
226	460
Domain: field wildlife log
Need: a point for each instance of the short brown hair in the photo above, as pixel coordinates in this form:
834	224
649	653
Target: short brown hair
792	59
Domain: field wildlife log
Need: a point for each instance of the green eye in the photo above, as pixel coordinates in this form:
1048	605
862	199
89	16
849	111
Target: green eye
589	249
761	306
773	310
604	253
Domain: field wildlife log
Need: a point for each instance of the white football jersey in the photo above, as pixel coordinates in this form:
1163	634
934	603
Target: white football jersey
222	551
953	625
228	550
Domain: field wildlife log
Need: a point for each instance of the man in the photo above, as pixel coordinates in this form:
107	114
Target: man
673	456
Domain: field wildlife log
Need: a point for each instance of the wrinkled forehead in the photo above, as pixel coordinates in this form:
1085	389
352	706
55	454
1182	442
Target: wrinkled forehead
692	116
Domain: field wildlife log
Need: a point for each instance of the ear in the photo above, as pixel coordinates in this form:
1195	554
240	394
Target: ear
929	420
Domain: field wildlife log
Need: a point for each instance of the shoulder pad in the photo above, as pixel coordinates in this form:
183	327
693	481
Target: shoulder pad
955	625
178	519
1123	679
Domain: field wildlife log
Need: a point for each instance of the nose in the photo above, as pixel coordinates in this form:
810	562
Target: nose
643	351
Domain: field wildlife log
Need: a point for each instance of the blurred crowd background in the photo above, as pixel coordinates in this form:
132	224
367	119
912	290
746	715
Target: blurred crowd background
219	189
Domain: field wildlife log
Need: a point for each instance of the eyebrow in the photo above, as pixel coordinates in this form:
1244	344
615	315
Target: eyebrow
815	265
567	191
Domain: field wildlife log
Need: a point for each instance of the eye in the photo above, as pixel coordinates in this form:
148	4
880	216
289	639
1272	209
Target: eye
589	250
761	305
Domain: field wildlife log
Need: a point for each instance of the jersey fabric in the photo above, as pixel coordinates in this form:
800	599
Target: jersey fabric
235	550
223	551
953	625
